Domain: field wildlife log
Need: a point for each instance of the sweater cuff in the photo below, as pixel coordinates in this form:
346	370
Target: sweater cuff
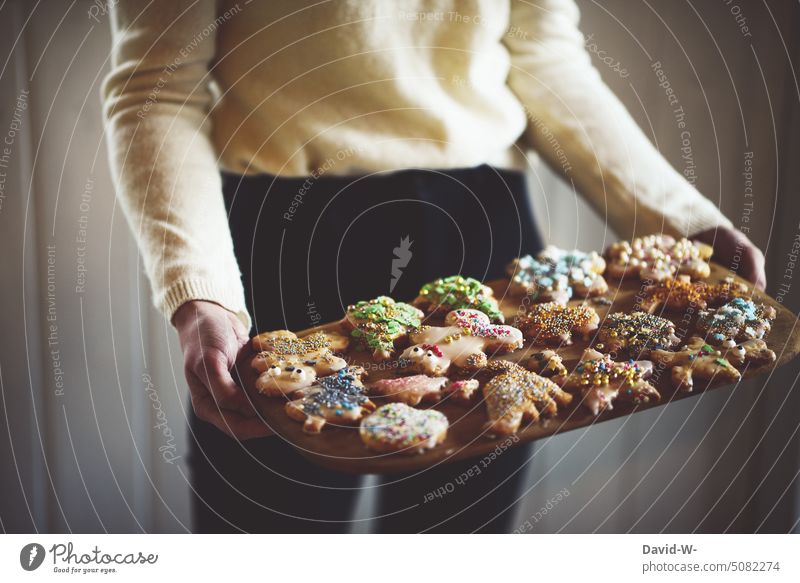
229	297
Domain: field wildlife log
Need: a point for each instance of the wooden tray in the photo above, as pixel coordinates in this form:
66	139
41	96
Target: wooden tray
340	448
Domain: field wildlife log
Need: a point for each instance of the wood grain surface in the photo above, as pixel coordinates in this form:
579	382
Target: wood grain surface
340	448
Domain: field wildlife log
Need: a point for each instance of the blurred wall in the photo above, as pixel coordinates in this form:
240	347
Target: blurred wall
93	420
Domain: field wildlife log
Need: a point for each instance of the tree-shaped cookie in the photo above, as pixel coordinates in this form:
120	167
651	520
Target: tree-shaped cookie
699	360
601	381
339	398
738	320
635	335
446	294
514	394
556	275
377	324
414	389
554	323
462	342
287	363
681	292
658	257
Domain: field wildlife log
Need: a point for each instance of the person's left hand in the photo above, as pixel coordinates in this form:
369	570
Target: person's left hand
731	247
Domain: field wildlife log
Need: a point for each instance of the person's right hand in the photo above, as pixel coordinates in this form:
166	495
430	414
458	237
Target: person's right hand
211	338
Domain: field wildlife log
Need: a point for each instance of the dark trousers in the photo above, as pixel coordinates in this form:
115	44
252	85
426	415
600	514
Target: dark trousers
309	247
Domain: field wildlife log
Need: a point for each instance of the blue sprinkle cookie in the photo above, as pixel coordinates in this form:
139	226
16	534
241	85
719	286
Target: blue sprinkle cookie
738	320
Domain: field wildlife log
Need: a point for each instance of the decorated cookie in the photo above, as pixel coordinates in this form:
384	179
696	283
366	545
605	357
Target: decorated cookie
680	292
546	363
396	427
658	257
753	352
601	381
462	342
287	363
339	399
697	360
555	323
738	320
377	324
556	275
417	388
635	335
515	394
456	293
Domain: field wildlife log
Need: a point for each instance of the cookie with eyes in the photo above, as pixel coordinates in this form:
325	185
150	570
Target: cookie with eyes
601	381
396	427
681	292
658	257
456	292
339	399
557	275
737	321
514	394
553	323
418	388
696	359
380	323
287	363
635	335
462	342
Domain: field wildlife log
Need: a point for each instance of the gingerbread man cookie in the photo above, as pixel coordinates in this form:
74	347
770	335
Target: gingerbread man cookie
516	394
463	342
396	427
377	324
339	399
753	352
658	257
736	321
601	380
555	323
556	274
417	388
287	363
635	335
456	293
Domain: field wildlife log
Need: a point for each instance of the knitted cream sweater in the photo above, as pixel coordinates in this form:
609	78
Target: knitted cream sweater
290	87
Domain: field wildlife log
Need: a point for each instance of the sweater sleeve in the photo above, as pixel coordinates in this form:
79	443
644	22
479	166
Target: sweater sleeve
580	127
156	101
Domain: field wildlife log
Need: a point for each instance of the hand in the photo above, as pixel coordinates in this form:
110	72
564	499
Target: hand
732	247
211	338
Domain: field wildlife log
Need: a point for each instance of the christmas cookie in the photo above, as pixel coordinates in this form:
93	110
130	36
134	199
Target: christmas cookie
377	324
462	342
681	292
546	363
515	394
635	335
601	381
557	275
417	388
696	360
658	257
396	427
736	321
339	399
555	323
456	293
287	363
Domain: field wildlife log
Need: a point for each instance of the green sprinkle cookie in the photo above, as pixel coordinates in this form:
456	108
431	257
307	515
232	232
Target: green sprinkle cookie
457	293
378	323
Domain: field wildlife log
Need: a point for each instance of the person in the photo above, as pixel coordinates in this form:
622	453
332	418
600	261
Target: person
275	158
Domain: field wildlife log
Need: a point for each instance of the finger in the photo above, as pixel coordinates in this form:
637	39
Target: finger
229	422
752	268
216	377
